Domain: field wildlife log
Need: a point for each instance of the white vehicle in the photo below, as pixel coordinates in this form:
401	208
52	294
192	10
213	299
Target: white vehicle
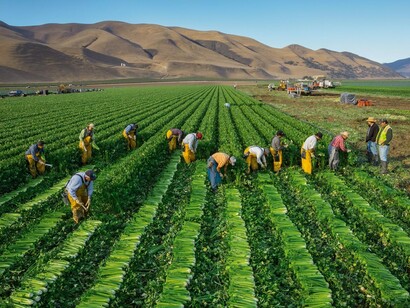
326	84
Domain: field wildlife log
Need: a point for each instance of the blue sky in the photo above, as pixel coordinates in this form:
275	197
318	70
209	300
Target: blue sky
377	30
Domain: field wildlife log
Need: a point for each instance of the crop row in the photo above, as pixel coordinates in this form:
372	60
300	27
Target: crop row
62	145
158	141
185	245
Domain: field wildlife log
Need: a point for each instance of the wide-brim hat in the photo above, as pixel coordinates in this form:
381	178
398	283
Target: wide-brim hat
346	134
232	159
371	119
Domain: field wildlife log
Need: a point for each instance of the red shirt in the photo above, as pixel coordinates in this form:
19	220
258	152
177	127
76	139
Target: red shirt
339	142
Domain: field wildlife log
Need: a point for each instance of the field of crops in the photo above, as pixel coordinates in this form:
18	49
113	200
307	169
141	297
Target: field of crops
158	236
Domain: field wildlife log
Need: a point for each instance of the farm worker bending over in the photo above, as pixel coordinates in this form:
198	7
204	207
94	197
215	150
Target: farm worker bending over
86	142
371	135
255	156
383	140
276	150
307	152
214	164
174	135
79	191
130	134
337	144
35	159
190	143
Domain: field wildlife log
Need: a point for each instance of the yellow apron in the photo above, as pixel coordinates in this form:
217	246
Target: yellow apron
172	144
131	142
251	160
277	161
86	155
34	166
188	155
306	160
78	210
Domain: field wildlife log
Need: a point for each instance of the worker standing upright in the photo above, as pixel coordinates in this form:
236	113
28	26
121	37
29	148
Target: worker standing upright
87	142
372	131
336	145
255	156
190	144
174	136
130	134
79	191
276	150
36	159
307	152
215	163
383	140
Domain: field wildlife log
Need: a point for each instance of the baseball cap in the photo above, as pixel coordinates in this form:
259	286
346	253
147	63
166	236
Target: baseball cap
91	174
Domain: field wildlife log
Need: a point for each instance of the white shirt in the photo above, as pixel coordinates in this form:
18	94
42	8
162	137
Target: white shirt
192	141
310	143
259	152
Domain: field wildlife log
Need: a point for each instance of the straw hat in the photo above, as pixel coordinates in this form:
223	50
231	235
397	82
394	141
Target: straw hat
371	119
346	134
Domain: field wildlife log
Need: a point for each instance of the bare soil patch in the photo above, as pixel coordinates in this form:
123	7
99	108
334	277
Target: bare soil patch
325	110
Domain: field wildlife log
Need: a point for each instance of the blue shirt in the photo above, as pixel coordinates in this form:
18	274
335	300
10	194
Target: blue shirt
34	150
76	182
130	128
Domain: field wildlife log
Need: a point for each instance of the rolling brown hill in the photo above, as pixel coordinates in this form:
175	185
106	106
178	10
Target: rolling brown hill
401	66
116	50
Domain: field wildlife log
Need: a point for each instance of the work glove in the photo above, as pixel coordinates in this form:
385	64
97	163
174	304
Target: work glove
348	150
221	175
312	155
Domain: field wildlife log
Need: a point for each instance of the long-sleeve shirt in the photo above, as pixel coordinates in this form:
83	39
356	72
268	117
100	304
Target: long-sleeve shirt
76	181
33	150
276	143
221	159
192	141
310	143
372	133
177	132
339	143
130	127
259	153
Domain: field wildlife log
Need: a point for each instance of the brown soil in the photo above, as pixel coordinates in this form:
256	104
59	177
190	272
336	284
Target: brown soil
325	110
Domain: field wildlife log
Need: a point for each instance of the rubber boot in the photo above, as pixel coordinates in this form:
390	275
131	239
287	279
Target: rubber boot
384	167
375	160
369	157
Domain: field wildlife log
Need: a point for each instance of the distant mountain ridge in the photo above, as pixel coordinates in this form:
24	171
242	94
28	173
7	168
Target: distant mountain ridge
400	66
117	50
